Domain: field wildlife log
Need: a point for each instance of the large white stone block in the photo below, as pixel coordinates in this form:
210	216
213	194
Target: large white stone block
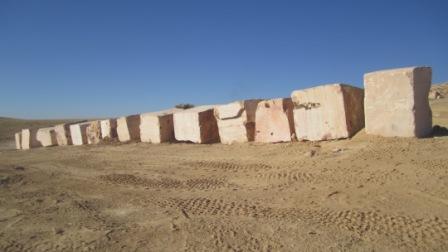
274	121
93	132
109	128
46	136
327	112
236	121
128	128
157	127
29	139
396	102
197	125
18	138
63	136
78	133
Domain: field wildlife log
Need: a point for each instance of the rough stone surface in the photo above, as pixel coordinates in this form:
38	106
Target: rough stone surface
18	138
93	132
332	111
236	121
396	102
109	128
197	125
274	121
128	128
63	136
79	133
46	137
157	127
29	139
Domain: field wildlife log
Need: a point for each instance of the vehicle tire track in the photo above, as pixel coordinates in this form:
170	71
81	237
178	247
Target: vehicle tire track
164	183
228	166
408	230
288	176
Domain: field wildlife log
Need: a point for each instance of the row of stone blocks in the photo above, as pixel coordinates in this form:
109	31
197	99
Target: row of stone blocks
394	103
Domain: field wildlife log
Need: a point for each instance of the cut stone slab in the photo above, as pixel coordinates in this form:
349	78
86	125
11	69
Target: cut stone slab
396	102
332	111
128	128
274	121
29	139
157	127
236	121
46	137
93	132
197	125
63	136
78	133
18	138
108	128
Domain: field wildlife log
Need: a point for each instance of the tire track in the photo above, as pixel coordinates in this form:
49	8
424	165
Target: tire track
407	230
288	176
164	183
228	166
226	236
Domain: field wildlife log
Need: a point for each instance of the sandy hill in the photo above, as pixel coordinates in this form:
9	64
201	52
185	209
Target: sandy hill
441	88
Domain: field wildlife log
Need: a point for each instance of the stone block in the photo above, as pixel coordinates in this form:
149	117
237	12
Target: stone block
128	128
332	111
29	139
78	133
109	128
18	138
93	132
236	121
46	137
157	127
274	121
396	102
63	136
197	125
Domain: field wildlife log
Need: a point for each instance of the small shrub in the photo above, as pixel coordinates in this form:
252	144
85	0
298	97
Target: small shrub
184	106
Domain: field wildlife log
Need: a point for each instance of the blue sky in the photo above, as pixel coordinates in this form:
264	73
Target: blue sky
86	58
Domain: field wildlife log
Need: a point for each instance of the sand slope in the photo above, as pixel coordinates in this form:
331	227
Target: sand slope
367	193
441	88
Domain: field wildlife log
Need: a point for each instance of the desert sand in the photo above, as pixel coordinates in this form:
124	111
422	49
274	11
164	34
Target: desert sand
361	194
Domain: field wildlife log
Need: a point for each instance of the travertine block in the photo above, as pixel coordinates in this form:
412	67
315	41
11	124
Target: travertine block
63	136
396	102
78	133
197	125
326	112
18	138
157	127
109	128
274	121
128	128
93	132
46	137
29	139
236	121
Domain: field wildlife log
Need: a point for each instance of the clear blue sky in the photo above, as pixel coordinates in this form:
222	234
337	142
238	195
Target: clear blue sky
86	58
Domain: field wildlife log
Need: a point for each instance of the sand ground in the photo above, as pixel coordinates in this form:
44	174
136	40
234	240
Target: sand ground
363	194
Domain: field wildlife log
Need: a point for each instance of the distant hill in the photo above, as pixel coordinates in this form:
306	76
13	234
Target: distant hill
9	126
441	88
